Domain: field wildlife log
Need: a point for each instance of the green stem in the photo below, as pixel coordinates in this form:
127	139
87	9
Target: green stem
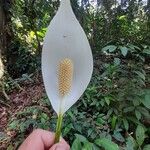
58	128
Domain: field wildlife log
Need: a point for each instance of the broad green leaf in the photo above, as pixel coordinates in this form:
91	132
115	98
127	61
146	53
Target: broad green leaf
140	135
147	91
137	101
131	143
134	120
126	124
67	129
10	147
117	135
107	100
146	147
128	109
110	48
87	146
117	61
133	47
124	50
13	124
81	137
100	121
140	74
146	101
138	114
146	51
76	145
113	122
106	144
90	130
43	115
144	111
136	47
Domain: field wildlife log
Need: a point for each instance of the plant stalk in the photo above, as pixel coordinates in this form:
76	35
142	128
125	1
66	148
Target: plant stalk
58	128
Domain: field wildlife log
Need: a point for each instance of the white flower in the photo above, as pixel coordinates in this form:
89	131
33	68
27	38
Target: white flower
66	43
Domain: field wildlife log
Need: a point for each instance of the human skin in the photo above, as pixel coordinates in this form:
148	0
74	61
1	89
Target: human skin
43	140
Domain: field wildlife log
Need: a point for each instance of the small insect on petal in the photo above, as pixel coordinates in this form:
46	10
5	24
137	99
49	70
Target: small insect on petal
65	75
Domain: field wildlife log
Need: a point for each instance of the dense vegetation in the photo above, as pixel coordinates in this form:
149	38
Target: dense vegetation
114	110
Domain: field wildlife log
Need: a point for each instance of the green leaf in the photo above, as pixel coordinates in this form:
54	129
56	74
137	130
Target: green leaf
113	122
128	109
140	74
107	144
140	135
100	121
87	146
131	143
146	51
76	144
67	129
124	50
134	120
110	48
146	101
133	47
22	126
81	137
10	147
117	135
144	111
117	61
14	124
43	115
146	147
89	132
138	114
136	101
107	100
126	124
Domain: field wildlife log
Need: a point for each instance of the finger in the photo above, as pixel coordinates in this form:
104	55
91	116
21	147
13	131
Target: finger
38	140
62	145
62	141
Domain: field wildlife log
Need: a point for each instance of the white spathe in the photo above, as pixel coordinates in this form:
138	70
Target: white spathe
65	38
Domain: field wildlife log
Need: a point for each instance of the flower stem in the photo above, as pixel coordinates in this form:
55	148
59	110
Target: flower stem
58	128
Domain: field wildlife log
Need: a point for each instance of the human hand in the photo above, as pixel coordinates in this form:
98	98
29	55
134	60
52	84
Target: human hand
43	140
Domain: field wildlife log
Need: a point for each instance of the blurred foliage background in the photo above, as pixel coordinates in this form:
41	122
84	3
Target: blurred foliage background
115	109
